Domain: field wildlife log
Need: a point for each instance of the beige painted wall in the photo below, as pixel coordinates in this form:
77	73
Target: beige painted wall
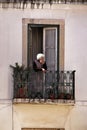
43	116
50	116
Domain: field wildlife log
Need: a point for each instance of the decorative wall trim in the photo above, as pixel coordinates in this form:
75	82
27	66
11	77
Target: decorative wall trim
43	129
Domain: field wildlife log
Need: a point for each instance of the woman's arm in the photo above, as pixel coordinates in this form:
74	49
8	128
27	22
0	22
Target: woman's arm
36	68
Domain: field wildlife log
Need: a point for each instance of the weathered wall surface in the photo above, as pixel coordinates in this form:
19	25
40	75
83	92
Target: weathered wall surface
50	116
42	116
72	118
75	42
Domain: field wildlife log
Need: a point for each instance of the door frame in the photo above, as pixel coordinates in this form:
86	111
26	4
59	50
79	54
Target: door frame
58	22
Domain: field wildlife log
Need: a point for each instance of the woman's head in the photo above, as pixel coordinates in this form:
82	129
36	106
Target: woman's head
41	58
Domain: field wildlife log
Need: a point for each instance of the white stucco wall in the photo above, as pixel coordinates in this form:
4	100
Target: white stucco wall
75	42
75	59
6	116
75	49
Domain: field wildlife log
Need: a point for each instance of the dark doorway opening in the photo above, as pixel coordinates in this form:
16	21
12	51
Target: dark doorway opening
44	39
39	36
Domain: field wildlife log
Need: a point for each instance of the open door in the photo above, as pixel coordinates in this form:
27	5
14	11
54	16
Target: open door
50	47
50	50
43	39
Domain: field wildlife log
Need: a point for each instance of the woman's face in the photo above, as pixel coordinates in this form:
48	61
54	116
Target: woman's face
42	60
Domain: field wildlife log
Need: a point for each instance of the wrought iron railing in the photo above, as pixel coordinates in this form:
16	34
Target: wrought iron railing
49	85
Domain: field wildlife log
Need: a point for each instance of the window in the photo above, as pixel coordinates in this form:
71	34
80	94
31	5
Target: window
44	39
35	27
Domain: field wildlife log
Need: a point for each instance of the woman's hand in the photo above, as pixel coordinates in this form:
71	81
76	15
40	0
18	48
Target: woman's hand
43	70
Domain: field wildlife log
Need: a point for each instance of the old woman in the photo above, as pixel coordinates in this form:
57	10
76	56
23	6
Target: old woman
40	68
40	64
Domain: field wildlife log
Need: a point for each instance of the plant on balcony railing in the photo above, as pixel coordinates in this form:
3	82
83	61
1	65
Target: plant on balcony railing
20	78
52	85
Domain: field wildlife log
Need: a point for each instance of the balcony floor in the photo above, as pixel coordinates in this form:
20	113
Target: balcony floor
43	101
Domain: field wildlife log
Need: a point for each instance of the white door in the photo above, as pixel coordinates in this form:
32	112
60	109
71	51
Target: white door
50	47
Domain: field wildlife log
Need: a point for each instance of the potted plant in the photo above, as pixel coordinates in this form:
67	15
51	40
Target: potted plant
19	77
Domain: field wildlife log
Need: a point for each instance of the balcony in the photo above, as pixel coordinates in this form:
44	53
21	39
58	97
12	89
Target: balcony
51	86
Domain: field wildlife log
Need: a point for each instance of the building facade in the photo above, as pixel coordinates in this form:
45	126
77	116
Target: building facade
59	30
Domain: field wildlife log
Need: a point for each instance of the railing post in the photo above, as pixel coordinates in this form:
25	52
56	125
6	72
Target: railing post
73	84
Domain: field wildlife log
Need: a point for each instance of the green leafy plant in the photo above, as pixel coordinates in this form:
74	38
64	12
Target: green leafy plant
20	77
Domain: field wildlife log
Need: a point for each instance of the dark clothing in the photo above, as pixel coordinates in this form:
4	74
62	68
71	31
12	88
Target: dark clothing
37	66
38	78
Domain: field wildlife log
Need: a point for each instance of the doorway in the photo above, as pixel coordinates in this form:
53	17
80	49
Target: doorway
44	39
44	36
